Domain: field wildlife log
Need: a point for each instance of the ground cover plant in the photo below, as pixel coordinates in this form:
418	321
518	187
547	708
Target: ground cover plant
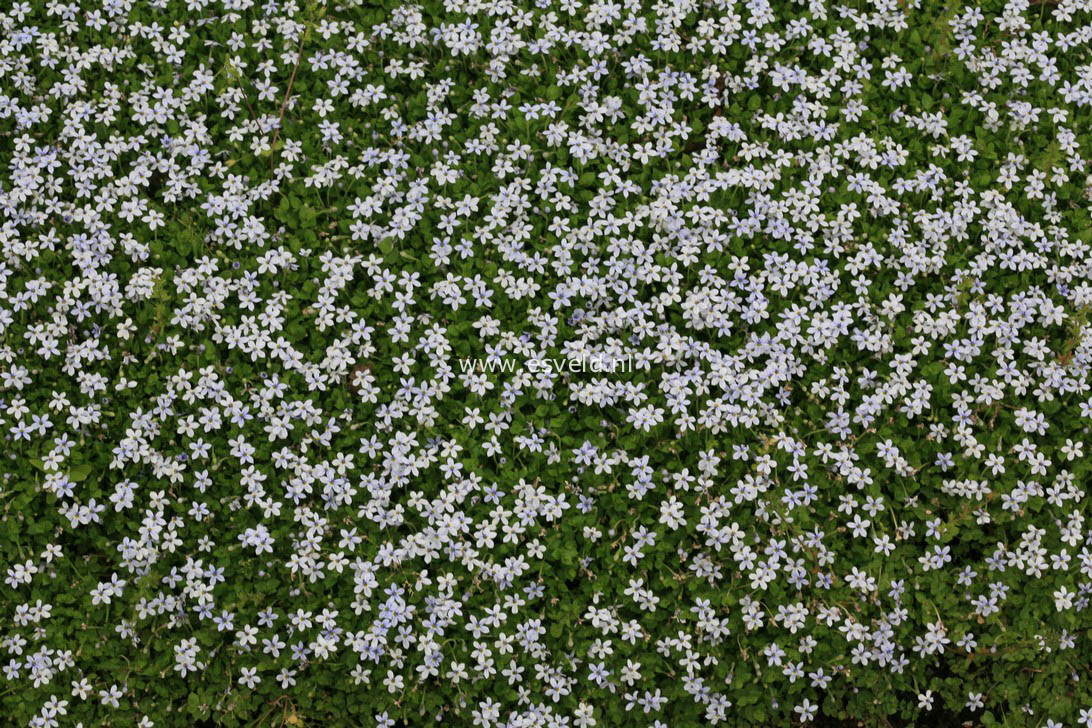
545	363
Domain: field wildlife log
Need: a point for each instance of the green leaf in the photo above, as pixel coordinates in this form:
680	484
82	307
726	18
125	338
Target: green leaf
79	473
307	217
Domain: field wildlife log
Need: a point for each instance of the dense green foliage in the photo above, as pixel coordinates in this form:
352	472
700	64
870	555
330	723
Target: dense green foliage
545	363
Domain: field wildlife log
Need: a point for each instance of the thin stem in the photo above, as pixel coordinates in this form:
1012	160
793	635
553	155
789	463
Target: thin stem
284	103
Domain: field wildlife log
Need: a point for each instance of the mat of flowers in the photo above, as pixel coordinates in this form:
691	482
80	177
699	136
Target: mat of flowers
545	363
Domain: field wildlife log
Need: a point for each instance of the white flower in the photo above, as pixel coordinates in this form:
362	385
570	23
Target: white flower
806	710
249	676
1063	599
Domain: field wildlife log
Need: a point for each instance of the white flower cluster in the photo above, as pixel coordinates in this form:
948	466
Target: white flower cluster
843	252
